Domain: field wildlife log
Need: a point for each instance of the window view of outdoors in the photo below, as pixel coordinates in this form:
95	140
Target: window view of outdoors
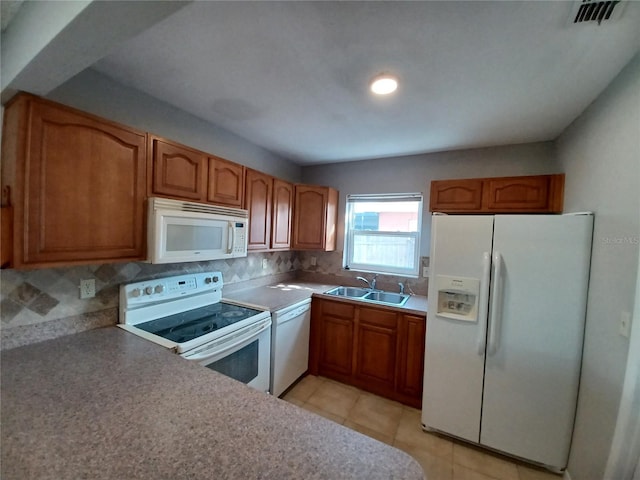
385	233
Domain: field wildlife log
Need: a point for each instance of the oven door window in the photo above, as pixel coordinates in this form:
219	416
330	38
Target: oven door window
241	365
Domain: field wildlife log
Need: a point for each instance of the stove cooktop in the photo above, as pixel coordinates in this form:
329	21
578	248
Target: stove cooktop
191	324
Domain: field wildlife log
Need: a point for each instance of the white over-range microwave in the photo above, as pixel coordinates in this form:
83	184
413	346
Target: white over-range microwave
189	232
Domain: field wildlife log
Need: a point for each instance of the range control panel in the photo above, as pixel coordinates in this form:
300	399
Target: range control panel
155	290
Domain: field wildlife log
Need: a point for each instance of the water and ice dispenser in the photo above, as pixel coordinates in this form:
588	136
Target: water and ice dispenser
458	297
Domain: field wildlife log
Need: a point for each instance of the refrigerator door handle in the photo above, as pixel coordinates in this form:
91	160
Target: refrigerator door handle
484	302
496	304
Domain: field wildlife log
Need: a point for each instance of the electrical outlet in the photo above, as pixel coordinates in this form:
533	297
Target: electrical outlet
265	264
625	324
425	271
88	288
314	261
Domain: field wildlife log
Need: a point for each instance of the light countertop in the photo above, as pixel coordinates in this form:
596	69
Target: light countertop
278	295
105	404
281	295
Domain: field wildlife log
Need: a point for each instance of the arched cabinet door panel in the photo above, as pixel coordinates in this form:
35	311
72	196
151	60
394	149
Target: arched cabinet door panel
78	185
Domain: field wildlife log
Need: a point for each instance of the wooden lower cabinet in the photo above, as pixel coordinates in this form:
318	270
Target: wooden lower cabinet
410	366
333	338
379	350
376	349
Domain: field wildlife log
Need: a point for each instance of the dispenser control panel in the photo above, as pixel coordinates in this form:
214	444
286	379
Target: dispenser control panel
458	297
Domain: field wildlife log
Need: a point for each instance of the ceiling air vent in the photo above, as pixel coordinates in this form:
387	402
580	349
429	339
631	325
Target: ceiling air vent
596	11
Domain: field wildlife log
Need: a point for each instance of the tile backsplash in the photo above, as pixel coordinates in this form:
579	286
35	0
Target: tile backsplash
46	302
327	267
40	304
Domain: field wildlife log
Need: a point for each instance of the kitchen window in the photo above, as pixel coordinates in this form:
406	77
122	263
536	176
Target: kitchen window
382	233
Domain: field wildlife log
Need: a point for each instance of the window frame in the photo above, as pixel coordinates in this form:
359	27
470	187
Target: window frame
349	234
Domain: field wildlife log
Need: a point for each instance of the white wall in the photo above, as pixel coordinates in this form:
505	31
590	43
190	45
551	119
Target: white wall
600	153
414	174
93	92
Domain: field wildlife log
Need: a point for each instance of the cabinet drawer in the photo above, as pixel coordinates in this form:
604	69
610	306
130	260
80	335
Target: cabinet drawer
337	309
381	318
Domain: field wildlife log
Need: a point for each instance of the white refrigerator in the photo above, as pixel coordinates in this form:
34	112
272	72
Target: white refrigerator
507	303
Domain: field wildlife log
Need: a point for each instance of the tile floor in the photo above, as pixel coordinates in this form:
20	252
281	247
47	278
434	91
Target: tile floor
398	425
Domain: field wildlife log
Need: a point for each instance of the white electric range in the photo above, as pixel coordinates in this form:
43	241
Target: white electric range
186	314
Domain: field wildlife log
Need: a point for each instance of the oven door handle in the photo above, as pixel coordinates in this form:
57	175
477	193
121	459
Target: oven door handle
243	337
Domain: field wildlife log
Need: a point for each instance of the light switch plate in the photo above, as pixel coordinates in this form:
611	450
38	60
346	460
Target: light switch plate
265	264
425	271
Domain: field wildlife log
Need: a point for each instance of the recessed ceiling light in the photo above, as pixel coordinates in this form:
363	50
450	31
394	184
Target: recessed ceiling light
384	84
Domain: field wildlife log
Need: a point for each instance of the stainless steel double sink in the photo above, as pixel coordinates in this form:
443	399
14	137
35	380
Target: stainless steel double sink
367	295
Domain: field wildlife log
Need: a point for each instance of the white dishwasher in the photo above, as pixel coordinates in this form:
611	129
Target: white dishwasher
289	345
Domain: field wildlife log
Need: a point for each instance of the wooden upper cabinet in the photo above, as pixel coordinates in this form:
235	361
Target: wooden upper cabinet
77	185
540	193
258	198
315	217
281	215
177	171
523	194
226	182
456	195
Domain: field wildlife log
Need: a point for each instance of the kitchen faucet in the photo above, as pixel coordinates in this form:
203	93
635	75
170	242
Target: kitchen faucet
372	284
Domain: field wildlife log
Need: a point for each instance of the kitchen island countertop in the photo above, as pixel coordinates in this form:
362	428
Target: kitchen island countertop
105	404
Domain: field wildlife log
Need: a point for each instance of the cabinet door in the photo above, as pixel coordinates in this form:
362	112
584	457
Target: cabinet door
281	215
336	346
315	216
226	182
178	171
258	191
376	348
411	356
331	340
456	195
84	189
524	194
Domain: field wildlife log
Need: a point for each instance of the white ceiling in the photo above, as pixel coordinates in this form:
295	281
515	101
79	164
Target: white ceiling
292	76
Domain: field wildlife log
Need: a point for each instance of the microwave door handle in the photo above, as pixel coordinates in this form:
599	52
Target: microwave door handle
231	237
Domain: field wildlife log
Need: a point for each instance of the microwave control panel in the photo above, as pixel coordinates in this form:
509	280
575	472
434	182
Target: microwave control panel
240	239
458	297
